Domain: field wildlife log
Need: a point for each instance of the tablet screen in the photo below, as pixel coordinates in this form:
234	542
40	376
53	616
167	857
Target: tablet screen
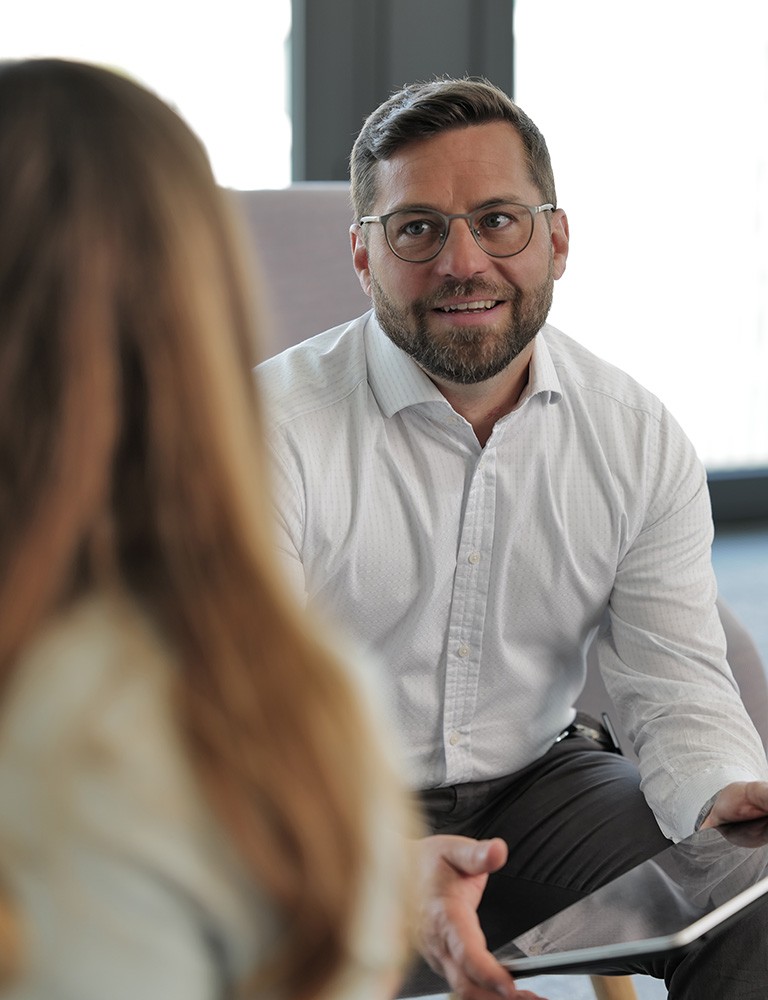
669	903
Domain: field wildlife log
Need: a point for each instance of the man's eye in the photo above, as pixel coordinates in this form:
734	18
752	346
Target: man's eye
498	220
418	227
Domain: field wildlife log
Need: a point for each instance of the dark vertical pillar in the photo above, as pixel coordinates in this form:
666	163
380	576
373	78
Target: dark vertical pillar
349	55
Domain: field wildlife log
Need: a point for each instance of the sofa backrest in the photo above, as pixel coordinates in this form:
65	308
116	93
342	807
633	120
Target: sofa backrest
300	239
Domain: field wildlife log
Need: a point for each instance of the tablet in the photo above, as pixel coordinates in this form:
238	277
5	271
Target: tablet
666	905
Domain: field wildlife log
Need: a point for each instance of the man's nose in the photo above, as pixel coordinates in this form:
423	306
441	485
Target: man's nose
461	256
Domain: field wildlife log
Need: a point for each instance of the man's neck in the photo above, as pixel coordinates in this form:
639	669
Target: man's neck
483	403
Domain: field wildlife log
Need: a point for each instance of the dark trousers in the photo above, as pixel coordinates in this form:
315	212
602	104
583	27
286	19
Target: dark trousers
574	820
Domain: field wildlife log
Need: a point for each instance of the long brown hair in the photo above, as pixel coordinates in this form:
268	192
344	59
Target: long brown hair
131	449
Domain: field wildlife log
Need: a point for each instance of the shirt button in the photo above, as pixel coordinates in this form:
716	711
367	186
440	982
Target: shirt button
463	649
474	558
454	738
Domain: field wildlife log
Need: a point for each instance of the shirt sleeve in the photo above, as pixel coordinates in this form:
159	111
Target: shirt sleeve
289	521
663	653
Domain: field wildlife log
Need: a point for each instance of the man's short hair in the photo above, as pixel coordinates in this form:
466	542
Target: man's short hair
421	110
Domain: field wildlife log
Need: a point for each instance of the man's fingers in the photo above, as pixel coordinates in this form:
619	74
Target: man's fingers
473	967
467	988
475	857
464	987
455	871
737	802
757	794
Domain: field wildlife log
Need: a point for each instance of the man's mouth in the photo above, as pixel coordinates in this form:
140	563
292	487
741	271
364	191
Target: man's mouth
482	305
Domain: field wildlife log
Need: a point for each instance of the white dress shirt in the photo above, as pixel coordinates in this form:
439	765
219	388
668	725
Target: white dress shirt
480	575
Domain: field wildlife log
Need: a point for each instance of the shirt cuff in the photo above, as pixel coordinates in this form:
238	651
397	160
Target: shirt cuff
691	799
705	810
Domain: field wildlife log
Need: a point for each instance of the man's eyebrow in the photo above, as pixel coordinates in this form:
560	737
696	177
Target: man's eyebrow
507	199
422	206
413	206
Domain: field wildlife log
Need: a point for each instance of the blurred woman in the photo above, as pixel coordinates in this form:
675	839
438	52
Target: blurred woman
192	803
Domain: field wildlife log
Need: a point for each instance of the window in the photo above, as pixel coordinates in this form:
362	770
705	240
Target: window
655	115
224	68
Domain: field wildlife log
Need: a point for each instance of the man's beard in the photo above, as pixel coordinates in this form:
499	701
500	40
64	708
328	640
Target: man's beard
465	354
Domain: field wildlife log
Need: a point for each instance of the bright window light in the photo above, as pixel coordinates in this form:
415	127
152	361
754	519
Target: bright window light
655	115
223	67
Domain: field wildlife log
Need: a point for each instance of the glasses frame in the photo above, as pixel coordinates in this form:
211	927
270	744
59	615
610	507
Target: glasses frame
533	211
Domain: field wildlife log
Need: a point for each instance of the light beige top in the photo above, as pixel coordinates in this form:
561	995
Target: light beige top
125	885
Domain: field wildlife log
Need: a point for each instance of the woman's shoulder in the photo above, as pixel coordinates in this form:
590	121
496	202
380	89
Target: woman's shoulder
91	720
100	649
95	779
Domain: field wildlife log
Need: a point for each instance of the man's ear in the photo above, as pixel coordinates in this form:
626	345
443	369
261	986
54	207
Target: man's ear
560	241
360	256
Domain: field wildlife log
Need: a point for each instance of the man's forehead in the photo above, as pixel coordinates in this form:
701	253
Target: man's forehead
481	161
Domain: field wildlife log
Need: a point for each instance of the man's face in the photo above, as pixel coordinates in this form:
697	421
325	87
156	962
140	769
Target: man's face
504	301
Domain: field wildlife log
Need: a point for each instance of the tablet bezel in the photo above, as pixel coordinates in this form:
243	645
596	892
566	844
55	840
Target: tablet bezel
609	956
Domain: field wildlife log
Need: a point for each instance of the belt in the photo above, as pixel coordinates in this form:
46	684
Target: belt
601	733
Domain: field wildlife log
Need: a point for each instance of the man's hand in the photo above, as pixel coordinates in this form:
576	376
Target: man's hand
740	801
452	873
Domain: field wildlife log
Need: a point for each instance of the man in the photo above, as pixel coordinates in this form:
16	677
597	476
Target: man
471	493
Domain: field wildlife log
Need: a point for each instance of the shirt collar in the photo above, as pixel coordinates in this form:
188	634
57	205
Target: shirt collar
398	382
395	379
542	374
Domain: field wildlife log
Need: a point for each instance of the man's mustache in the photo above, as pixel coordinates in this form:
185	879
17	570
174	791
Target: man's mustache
471	288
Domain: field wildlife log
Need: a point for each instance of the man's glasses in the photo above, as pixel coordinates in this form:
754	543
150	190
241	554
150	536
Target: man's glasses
417	235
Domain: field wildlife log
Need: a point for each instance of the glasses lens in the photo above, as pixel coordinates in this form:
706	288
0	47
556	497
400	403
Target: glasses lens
503	230
415	236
